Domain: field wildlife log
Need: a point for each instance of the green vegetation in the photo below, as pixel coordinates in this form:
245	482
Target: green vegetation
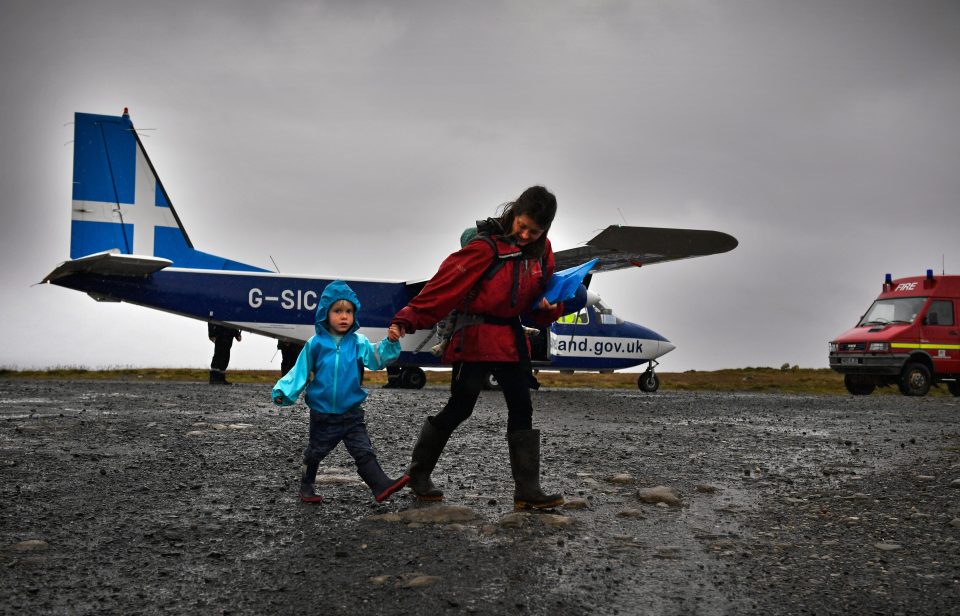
790	379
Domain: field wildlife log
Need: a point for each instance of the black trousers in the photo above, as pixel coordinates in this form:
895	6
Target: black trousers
468	378
221	353
289	352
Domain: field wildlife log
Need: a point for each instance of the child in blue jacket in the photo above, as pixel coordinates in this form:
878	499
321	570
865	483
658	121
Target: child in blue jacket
329	368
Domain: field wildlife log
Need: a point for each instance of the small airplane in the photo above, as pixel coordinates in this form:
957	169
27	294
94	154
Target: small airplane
127	244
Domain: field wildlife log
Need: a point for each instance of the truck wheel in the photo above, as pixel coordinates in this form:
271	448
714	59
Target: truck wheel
915	379
413	378
954	387
648	382
858	386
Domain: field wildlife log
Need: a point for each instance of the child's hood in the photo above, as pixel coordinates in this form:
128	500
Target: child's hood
334	292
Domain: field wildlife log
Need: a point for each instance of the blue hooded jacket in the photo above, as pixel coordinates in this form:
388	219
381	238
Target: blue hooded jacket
335	387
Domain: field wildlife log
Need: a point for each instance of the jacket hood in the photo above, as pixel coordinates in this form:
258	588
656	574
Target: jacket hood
334	292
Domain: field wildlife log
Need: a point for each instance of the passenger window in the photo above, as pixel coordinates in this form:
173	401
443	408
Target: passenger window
940	313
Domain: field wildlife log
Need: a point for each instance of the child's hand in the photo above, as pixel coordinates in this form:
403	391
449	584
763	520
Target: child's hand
394	333
278	400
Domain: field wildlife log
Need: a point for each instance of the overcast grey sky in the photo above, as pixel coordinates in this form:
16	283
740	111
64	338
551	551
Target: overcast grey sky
358	139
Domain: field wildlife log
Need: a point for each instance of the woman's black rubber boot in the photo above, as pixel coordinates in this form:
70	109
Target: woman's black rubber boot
525	463
426	452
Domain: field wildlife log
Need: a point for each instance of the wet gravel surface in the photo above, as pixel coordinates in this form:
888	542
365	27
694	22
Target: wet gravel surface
124	498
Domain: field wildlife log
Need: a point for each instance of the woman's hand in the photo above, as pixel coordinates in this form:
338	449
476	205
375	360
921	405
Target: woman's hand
545	305
394	333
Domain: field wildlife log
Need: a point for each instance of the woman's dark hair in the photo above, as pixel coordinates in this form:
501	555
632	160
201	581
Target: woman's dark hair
540	205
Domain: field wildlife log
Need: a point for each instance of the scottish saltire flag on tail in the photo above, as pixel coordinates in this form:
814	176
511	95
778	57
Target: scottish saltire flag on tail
119	203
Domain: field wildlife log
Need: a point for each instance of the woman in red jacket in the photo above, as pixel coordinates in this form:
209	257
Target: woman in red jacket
493	280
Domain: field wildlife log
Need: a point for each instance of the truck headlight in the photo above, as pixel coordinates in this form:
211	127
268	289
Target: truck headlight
879	347
834	347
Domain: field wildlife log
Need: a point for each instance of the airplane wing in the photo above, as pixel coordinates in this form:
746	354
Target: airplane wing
109	263
619	247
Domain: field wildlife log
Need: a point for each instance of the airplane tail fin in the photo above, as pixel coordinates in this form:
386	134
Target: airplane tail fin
119	203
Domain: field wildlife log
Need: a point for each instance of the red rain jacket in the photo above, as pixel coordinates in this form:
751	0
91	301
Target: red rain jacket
449	289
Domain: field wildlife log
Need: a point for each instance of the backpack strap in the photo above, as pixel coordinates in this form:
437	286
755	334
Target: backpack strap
497	263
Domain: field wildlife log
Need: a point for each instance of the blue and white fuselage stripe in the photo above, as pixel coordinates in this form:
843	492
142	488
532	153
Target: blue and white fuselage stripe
281	306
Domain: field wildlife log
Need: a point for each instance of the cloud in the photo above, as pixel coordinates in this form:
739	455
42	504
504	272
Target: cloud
822	135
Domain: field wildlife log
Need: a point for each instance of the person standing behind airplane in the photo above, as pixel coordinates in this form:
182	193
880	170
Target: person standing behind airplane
222	338
329	369
491	281
289	351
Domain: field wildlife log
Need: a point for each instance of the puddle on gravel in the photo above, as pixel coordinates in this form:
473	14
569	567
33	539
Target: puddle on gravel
111	394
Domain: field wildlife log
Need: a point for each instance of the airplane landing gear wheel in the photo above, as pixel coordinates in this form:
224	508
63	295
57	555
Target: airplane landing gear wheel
648	381
490	382
413	378
915	380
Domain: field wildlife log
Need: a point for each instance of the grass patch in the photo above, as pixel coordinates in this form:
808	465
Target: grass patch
792	380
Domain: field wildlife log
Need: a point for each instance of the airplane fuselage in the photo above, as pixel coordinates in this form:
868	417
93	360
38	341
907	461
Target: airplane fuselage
283	306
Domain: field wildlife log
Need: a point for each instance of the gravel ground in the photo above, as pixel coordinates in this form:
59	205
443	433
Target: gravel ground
124	498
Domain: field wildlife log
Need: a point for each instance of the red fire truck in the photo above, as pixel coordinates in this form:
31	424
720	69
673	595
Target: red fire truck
908	337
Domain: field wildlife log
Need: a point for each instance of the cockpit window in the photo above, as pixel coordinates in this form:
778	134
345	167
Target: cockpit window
609	319
576	318
606	315
893	310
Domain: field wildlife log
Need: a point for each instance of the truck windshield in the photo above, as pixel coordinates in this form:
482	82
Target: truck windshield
896	310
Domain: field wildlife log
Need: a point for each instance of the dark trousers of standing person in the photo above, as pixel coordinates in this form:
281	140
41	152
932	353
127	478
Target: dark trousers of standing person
221	358
289	352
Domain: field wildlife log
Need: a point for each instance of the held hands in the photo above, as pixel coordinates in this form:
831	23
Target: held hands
395	332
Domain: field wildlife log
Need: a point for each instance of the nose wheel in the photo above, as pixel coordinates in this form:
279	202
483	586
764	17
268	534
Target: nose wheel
648	380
